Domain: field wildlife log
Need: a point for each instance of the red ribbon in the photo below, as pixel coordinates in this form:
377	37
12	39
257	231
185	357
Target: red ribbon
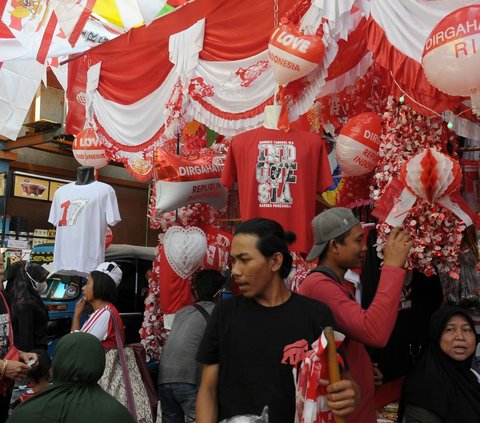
283	122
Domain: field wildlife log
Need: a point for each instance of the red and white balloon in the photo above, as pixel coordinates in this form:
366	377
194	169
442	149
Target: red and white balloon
431	175
89	150
181	181
292	54
451	56
357	145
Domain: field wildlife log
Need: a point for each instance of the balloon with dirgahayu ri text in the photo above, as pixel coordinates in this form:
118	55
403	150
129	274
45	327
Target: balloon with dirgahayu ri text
451	57
181	181
356	147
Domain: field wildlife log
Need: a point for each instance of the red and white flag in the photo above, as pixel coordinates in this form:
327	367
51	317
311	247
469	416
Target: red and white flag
19	82
33	26
72	17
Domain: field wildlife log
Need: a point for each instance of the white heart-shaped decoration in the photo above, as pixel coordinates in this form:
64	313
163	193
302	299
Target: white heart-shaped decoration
184	249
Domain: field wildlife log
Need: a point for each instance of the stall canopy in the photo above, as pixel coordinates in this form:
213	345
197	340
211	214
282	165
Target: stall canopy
208	60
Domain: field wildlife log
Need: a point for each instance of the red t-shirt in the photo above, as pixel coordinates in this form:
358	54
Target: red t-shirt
278	176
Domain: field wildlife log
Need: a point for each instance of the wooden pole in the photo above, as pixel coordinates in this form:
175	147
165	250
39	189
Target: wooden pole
333	367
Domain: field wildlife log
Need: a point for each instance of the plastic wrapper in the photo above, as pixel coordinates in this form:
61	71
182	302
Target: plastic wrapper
249	418
464	292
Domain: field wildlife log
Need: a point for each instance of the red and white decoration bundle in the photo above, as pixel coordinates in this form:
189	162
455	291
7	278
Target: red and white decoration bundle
311	397
435	229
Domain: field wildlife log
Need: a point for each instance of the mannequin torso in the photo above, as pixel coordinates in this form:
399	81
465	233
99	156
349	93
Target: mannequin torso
85	175
271	115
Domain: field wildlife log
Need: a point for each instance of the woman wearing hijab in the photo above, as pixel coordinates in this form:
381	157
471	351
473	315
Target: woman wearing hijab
74	396
442	388
100	292
29	315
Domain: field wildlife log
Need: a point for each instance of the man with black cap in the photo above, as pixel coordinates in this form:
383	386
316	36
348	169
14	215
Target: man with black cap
339	246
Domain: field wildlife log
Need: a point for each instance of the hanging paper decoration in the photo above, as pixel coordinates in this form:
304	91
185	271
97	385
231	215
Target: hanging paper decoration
181	181
108	237
88	150
450	59
185	249
357	145
292	54
431	175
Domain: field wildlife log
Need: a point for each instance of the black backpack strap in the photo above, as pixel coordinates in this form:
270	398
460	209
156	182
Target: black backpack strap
202	310
332	275
328	272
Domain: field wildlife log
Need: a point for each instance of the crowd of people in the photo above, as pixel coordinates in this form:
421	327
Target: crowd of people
232	357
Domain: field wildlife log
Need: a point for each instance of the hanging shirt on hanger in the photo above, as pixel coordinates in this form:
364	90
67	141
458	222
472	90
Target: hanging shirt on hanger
279	175
81	214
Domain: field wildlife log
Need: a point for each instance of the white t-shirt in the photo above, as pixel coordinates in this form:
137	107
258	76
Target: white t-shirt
97	323
81	214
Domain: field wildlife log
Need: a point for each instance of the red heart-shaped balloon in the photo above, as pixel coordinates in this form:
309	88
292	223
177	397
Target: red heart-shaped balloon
292	54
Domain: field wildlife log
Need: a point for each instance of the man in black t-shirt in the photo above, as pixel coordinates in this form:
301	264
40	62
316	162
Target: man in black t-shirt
252	340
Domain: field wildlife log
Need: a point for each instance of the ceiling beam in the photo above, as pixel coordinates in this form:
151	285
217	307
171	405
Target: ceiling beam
26	141
52	149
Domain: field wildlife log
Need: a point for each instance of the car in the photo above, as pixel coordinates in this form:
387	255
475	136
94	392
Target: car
63	291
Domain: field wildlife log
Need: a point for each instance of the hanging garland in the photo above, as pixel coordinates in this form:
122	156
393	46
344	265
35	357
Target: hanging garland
153	334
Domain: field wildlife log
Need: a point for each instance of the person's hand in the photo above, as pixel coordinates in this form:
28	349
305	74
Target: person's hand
342	396
16	370
27	356
397	248
377	375
80	306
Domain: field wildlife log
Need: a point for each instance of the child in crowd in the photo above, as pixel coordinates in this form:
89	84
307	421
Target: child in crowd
38	381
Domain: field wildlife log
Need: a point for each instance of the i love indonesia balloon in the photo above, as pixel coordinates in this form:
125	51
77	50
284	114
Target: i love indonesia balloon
88	150
292	54
451	56
356	147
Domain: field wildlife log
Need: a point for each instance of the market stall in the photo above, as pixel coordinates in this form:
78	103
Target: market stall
211	102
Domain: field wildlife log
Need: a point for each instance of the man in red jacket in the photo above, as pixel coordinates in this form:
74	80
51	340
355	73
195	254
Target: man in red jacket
339	246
